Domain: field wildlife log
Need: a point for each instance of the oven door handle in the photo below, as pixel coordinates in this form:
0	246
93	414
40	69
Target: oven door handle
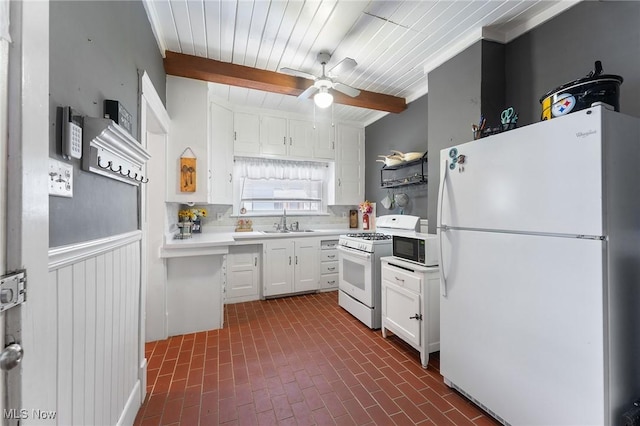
354	252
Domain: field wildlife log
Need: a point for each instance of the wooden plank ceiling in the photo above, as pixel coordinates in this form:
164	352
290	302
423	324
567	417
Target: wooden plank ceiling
393	42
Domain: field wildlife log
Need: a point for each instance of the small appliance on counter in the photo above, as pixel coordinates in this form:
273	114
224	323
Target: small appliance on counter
421	249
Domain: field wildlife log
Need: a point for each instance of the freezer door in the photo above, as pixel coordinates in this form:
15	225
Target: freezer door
522	325
543	178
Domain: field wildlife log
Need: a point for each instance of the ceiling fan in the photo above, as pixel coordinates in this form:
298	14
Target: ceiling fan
325	82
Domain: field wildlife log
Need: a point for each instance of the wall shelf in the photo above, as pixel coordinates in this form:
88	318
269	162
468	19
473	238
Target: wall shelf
406	173
109	150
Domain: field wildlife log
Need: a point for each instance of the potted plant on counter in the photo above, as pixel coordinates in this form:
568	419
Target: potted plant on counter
366	208
193	215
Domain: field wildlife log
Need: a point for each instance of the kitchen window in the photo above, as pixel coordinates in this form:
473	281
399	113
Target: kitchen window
268	187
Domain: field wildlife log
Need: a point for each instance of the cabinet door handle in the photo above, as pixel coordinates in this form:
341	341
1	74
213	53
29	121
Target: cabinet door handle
289	260
235	136
339	182
290	140
255	261
331	282
284	140
296	260
331	269
230	177
331	256
399	279
416	317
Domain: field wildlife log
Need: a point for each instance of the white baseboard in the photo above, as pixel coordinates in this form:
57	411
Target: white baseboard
131	408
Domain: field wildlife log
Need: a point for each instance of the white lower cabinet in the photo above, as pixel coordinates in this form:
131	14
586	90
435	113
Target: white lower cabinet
291	266
411	304
329	265
243	273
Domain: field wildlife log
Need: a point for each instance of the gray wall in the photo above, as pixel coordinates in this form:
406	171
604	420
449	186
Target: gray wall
454	104
559	51
405	132
97	50
565	49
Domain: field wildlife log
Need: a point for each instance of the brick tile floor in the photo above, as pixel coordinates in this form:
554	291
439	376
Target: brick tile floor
299	360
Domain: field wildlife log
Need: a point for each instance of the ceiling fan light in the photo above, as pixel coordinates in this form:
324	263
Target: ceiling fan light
323	98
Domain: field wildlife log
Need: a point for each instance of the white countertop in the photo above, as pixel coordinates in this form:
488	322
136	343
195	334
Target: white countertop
212	243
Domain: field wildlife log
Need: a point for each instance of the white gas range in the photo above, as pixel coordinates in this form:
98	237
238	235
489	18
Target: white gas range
359	255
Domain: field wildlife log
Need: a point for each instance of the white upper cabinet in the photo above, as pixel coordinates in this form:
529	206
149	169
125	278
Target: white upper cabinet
349	166
302	138
221	154
325	141
246	128
187	105
273	135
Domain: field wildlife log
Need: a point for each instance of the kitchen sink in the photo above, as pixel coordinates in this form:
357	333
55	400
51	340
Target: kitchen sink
302	230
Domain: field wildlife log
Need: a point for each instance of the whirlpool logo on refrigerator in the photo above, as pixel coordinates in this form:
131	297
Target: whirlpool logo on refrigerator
586	134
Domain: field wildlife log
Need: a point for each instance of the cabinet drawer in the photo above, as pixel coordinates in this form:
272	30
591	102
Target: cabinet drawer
328	255
402	278
329	267
328	244
329	281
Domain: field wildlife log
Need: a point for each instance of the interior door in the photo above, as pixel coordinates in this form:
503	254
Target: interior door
546	177
33	384
522	325
4	62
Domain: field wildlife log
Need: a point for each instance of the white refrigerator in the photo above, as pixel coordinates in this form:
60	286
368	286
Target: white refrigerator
539	233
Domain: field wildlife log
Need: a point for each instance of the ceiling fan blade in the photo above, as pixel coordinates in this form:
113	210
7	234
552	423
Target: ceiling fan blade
344	66
347	90
298	73
308	92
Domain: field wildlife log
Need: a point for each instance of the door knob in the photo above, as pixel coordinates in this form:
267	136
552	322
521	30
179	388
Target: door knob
11	356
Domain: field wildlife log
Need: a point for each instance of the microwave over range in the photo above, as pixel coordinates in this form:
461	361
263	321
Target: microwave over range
419	248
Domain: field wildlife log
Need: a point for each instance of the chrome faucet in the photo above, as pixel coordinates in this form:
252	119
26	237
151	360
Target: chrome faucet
283	220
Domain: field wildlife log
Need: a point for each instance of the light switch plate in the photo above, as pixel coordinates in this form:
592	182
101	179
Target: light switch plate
60	178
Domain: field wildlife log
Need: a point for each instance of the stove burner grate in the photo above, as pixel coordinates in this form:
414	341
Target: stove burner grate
369	236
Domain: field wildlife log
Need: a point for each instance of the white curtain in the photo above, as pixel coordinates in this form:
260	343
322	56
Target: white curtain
261	168
4	20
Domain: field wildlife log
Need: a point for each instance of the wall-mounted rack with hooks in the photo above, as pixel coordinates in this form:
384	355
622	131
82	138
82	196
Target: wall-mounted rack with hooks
109	150
406	173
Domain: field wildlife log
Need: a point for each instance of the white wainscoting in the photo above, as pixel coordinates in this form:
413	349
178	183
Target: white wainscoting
98	313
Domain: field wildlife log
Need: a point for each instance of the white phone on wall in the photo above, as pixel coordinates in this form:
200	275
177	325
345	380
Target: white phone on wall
71	135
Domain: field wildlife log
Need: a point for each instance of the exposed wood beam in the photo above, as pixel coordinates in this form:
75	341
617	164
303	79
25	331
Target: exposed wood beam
199	68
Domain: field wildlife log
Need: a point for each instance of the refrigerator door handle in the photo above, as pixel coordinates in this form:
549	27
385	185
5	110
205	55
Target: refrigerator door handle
443	175
443	280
